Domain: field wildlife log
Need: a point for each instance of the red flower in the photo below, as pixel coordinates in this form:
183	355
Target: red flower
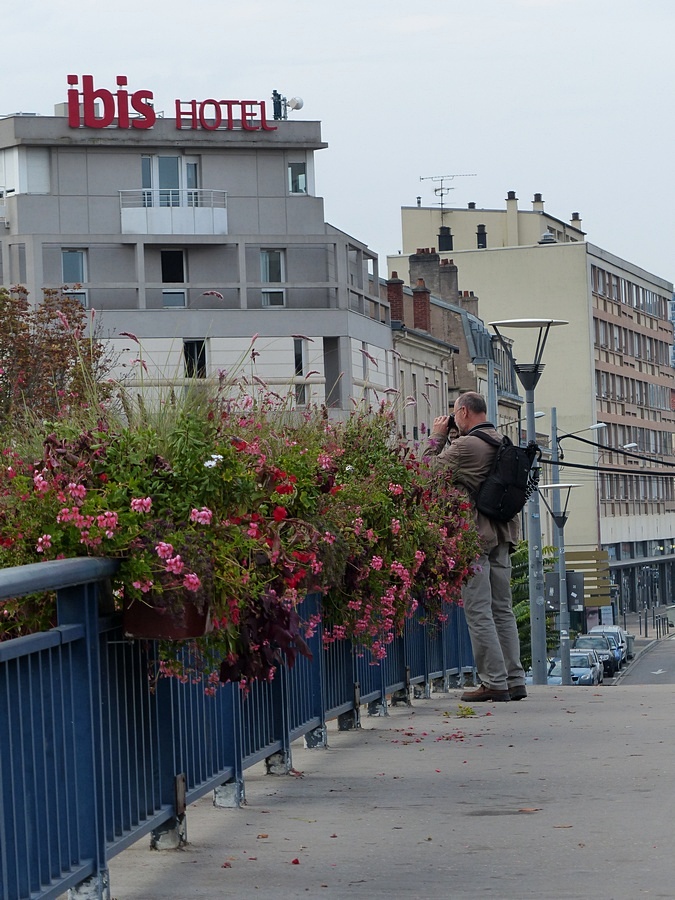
280	513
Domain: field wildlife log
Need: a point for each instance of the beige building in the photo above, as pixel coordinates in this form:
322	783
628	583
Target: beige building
611	364
442	348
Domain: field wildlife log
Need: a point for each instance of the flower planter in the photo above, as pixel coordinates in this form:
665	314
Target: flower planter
142	621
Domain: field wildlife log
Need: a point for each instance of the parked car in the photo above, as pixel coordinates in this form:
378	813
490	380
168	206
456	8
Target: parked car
616	647
585	669
601	644
619	632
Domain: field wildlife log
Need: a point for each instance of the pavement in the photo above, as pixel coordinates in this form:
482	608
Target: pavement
563	795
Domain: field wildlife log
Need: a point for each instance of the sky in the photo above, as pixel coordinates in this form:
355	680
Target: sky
572	99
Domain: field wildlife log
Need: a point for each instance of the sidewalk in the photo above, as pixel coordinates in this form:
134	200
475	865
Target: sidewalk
562	795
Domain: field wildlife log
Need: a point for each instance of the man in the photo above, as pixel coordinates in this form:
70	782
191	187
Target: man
487	596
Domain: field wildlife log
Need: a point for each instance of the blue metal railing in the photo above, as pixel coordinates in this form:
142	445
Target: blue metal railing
94	755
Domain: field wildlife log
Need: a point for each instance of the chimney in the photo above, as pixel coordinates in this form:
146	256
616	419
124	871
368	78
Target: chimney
537	203
444	239
395	297
447	281
421	306
469	302
511	219
425	265
481	237
576	221
471	206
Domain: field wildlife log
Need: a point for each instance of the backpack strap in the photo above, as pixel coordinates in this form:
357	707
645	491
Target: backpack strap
496	442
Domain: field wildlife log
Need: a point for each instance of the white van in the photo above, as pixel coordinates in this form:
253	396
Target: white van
620	634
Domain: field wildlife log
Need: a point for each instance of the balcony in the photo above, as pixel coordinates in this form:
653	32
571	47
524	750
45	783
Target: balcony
173	211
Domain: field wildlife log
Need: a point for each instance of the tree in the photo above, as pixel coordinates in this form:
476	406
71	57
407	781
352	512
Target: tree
51	357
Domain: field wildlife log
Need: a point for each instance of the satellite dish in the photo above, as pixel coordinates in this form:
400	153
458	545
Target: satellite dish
296	103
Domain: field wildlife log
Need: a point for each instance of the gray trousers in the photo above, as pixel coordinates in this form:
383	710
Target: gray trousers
492	625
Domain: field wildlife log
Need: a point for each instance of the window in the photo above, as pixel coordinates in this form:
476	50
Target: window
73	266
169	181
272	271
173	272
297	178
299	364
194	355
74	271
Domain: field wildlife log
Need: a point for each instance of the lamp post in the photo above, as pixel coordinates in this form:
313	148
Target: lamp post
560	519
529	375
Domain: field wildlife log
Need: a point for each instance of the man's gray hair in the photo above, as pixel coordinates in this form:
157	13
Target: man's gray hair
474	402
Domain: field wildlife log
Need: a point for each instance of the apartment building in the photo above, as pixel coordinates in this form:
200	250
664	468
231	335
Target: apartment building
611	364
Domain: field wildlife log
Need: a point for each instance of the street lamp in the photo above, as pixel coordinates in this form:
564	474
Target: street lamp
560	518
556	456
529	375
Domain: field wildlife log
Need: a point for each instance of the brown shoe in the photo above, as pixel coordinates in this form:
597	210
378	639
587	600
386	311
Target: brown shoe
485	694
518	692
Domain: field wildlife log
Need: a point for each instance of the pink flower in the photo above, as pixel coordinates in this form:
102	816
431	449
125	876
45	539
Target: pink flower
164	550
175	565
77	491
395	526
41	486
203	516
107	521
143	586
44	543
191	582
141	504
324	461
395	488
376	562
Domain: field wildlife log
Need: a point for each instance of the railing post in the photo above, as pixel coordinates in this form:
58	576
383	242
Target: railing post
280	763
232	794
79	605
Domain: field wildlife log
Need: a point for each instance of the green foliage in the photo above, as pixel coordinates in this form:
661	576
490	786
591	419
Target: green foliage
233	502
520	588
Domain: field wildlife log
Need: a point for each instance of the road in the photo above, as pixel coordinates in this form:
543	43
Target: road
655	666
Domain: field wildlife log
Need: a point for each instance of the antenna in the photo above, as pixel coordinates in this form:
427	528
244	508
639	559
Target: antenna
442	190
281	105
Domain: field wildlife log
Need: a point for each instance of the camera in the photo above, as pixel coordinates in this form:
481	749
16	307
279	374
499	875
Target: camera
451	420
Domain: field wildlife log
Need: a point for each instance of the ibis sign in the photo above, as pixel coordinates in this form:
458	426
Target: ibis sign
91	107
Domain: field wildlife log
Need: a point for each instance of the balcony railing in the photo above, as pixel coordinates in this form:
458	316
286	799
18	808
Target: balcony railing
173	211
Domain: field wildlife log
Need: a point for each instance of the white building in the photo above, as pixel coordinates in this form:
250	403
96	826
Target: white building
194	233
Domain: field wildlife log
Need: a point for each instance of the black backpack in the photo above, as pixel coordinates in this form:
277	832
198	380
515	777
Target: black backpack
507	488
